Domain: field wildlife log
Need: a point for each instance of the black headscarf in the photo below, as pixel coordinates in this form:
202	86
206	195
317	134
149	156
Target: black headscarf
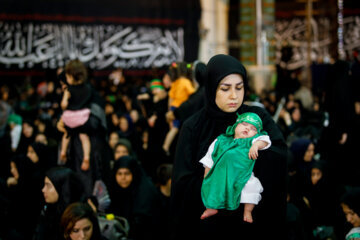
352	199
219	67
43	153
68	186
200	71
70	189
26	141
138	197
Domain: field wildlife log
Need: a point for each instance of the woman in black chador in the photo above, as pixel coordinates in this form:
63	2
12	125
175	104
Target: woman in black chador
62	187
134	196
225	87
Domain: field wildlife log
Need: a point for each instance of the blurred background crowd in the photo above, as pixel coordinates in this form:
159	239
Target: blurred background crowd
131	125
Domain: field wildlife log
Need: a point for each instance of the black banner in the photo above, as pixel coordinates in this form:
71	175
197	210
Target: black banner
104	34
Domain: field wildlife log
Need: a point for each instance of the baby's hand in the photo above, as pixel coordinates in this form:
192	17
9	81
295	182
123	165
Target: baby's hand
253	152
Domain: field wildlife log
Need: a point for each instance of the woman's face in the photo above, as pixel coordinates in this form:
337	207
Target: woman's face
124	177
134	114
296	115
230	93
166	81
113	139
27	130
120	151
309	154
32	155
49	191
352	217
82	230
316	175
123	124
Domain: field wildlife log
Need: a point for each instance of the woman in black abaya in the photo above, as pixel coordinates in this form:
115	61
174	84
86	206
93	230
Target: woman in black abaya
62	187
25	182
225	86
135	197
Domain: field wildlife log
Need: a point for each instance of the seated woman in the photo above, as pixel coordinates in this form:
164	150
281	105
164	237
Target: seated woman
79	221
62	187
135	197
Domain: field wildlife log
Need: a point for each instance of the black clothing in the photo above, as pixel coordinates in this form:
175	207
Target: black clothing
195	102
98	160
80	96
165	217
70	189
30	183
339	104
155	154
196	135
48	226
85	96
139	203
25	141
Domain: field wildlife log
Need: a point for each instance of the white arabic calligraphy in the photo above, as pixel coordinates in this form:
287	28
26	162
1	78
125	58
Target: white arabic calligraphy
293	32
101	46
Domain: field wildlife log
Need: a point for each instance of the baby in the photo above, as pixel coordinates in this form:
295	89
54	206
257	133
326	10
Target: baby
229	162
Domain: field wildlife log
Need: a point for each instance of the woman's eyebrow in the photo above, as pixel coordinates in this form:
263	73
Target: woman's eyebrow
229	84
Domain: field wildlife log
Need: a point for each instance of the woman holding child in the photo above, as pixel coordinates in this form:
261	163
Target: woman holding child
225	90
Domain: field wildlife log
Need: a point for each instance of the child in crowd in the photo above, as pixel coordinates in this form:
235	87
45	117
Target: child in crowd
180	90
228	179
76	106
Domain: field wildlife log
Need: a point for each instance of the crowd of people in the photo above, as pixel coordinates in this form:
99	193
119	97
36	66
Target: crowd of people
143	138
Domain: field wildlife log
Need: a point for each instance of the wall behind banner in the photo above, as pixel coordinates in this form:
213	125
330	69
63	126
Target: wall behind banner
107	34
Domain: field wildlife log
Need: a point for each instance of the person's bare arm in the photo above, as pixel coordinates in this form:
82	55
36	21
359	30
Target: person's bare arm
65	99
254	150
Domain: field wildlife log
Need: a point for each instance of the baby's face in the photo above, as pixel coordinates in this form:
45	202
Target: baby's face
245	130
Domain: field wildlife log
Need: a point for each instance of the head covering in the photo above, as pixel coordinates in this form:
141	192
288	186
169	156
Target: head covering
200	72
68	185
352	199
248	117
298	148
127	144
156	83
43	153
15	118
218	67
129	163
139	197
